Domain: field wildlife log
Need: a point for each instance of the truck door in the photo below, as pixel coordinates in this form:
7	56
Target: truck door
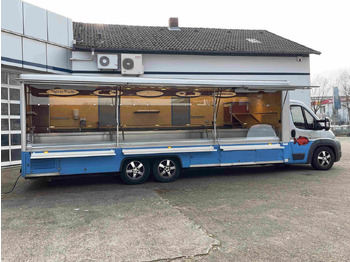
304	124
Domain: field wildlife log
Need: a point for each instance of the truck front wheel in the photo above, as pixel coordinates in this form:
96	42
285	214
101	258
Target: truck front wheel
323	158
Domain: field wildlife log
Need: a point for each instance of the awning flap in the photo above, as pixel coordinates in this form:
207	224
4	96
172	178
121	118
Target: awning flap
271	85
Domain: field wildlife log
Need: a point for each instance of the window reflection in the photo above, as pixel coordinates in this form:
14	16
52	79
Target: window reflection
149	114
249	115
162	114
70	109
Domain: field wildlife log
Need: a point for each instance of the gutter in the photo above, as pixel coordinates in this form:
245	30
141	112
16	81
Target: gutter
176	52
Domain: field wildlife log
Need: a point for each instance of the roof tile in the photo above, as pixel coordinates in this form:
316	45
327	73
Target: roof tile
147	39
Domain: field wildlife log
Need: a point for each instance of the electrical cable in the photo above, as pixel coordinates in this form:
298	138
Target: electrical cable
8	192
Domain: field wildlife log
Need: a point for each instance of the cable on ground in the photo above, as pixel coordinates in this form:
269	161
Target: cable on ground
8	192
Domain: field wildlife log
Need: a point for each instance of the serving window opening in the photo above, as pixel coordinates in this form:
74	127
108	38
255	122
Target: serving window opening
148	115
248	116
70	114
163	114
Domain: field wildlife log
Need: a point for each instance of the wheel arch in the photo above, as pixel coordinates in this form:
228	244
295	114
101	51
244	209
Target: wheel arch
322	142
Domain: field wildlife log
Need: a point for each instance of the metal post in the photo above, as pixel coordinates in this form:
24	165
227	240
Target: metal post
117	113
23	117
214	116
285	117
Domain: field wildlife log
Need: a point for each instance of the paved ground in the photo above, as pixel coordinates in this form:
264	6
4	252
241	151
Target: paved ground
235	214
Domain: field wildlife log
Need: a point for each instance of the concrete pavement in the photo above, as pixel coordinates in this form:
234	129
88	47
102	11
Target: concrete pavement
231	214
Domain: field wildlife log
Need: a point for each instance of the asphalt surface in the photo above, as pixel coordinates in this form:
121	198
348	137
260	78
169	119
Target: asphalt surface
229	214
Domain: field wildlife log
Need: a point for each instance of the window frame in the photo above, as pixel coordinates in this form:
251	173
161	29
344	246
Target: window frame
306	124
10	117
291	113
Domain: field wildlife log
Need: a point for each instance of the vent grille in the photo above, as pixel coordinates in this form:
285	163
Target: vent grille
104	60
43	163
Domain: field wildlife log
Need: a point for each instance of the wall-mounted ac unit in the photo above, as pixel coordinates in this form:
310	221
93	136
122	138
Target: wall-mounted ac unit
131	64
107	62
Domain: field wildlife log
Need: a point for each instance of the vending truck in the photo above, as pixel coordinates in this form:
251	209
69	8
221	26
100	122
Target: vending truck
136	126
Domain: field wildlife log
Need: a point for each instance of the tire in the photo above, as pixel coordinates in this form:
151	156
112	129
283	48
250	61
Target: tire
323	158
166	170
135	171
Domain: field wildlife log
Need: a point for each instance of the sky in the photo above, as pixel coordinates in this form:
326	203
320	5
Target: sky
321	25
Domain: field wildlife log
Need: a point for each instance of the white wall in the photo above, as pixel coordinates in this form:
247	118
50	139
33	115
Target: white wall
190	63
35	38
200	63
11	15
214	67
11	47
35	21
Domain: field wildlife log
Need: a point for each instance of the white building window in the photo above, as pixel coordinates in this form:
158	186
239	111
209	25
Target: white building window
10	119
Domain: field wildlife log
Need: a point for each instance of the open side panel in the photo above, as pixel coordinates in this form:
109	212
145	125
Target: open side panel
74	116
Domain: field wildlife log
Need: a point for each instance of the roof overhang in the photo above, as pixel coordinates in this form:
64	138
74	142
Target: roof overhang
193	52
254	85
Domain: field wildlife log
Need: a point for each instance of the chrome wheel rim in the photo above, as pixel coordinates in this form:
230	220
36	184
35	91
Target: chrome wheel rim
324	158
135	170
166	168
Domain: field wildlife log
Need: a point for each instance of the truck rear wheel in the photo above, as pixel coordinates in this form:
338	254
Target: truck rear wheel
135	171
166	170
323	158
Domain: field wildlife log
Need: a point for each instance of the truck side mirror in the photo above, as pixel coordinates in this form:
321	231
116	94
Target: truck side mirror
327	124
293	133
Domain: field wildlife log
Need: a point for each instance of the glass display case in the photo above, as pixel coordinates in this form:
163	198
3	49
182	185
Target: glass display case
136	115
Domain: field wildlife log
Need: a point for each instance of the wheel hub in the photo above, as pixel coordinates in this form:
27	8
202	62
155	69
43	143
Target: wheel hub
166	168
135	170
324	158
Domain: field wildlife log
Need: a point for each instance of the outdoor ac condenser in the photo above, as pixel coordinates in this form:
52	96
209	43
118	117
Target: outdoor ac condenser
131	64
107	62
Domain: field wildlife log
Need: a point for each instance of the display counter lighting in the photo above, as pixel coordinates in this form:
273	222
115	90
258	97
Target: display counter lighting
188	94
107	93
60	92
149	93
225	94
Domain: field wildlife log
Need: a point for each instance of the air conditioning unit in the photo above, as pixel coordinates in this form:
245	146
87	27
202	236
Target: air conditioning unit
131	64
107	62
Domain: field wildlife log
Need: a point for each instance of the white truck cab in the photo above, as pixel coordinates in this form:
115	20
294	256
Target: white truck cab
312	137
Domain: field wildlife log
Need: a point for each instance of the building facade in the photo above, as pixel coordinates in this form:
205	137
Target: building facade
326	109
35	40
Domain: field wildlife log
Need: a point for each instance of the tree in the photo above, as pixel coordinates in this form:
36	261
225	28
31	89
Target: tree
318	94
343	82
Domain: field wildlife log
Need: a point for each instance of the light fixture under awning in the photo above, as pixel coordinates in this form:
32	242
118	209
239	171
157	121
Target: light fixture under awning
271	85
